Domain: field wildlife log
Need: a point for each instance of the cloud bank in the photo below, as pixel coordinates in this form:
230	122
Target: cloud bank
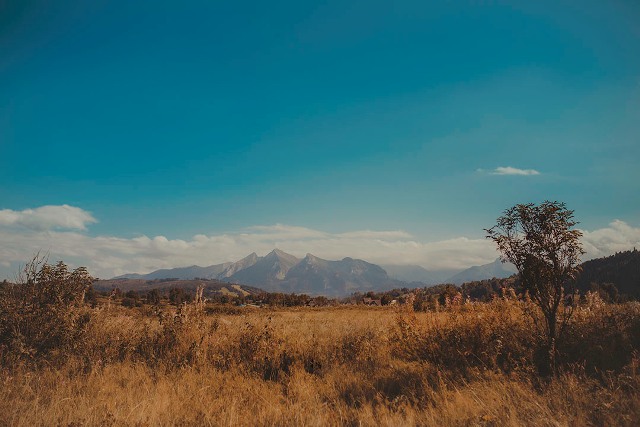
48	217
108	256
509	170
618	237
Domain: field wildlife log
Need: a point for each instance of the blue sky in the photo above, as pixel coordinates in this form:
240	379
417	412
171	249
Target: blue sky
178	119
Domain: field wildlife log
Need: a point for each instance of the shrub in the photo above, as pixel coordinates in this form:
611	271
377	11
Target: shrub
494	336
180	340
129	302
41	315
603	337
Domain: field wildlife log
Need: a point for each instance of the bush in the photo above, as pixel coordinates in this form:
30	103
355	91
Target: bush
41	315
602	337
495	336
129	302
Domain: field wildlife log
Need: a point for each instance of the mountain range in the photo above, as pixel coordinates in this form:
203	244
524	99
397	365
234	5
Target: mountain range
279	271
618	275
496	269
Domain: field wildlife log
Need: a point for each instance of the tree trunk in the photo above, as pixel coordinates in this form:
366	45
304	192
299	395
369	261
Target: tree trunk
550	350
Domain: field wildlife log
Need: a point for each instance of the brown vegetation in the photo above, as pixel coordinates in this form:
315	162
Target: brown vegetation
466	364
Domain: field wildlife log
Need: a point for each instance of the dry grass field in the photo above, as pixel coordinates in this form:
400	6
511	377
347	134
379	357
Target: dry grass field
469	365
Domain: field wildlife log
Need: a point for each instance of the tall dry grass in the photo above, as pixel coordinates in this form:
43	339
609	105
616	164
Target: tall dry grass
472	364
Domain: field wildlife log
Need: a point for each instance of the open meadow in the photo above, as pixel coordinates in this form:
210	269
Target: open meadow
472	364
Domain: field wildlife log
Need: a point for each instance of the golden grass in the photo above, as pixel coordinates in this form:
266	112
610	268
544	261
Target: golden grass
239	289
471	366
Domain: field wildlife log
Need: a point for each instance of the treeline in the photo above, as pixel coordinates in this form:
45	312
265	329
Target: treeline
177	296
616	277
431	297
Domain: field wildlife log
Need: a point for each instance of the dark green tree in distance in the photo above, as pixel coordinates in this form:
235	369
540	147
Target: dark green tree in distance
540	240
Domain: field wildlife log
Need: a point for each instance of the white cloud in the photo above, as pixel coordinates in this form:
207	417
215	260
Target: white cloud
48	217
108	256
618	236
508	170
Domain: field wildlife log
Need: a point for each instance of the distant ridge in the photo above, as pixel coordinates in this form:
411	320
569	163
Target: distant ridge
496	269
234	267
211	272
416	273
315	275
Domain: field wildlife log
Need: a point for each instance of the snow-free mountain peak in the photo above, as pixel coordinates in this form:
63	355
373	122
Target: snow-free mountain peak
272	267
280	255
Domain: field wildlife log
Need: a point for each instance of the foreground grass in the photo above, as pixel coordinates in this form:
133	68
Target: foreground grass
130	394
474	365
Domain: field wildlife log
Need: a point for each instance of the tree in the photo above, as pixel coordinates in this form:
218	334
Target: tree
541	242
132	294
153	297
91	297
177	296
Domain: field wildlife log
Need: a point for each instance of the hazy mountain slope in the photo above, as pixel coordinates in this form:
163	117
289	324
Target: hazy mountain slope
487	271
234	267
128	276
317	276
183	273
310	275
217	271
416	273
